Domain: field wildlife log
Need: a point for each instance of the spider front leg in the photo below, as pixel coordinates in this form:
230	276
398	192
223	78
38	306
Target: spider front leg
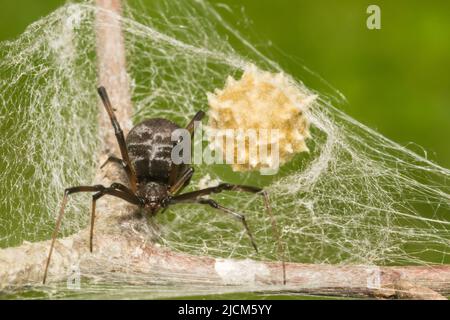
116	160
182	182
127	195
177	170
250	189
120	139
114	190
217	206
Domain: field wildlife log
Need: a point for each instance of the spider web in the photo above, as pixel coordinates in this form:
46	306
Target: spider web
356	198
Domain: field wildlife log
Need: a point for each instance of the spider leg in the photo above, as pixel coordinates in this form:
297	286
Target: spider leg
182	181
114	159
191	125
223	209
220	188
120	162
233	187
117	190
120	138
176	169
69	191
121	187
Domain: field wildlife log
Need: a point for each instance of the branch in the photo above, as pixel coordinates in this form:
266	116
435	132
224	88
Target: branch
112	70
122	246
122	252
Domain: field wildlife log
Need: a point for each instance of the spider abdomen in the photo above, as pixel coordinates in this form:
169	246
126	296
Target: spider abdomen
149	145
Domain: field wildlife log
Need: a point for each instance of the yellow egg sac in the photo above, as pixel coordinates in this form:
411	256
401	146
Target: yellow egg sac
269	104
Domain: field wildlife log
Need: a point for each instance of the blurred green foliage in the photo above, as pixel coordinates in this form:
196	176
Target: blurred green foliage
396	80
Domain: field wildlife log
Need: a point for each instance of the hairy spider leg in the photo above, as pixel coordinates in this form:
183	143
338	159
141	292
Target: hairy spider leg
182	181
120	139
114	159
233	187
97	188
104	192
215	205
175	174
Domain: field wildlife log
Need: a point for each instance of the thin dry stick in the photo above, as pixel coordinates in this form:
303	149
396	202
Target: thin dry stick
136	256
116	241
113	75
112	71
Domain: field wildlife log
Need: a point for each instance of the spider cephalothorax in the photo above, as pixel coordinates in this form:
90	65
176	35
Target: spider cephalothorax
155	181
154	195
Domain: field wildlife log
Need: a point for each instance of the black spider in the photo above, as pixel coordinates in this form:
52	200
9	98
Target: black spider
155	181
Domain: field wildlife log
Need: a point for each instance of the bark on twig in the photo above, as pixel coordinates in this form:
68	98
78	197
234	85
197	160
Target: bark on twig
119	246
112	70
121	251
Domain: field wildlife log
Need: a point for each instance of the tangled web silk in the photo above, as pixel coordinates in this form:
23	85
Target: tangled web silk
355	197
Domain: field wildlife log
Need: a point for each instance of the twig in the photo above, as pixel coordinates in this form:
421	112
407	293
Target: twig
118	247
112	70
121	252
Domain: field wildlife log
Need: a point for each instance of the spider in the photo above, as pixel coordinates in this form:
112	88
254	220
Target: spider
155	181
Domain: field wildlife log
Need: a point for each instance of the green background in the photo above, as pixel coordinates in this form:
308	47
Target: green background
396	80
